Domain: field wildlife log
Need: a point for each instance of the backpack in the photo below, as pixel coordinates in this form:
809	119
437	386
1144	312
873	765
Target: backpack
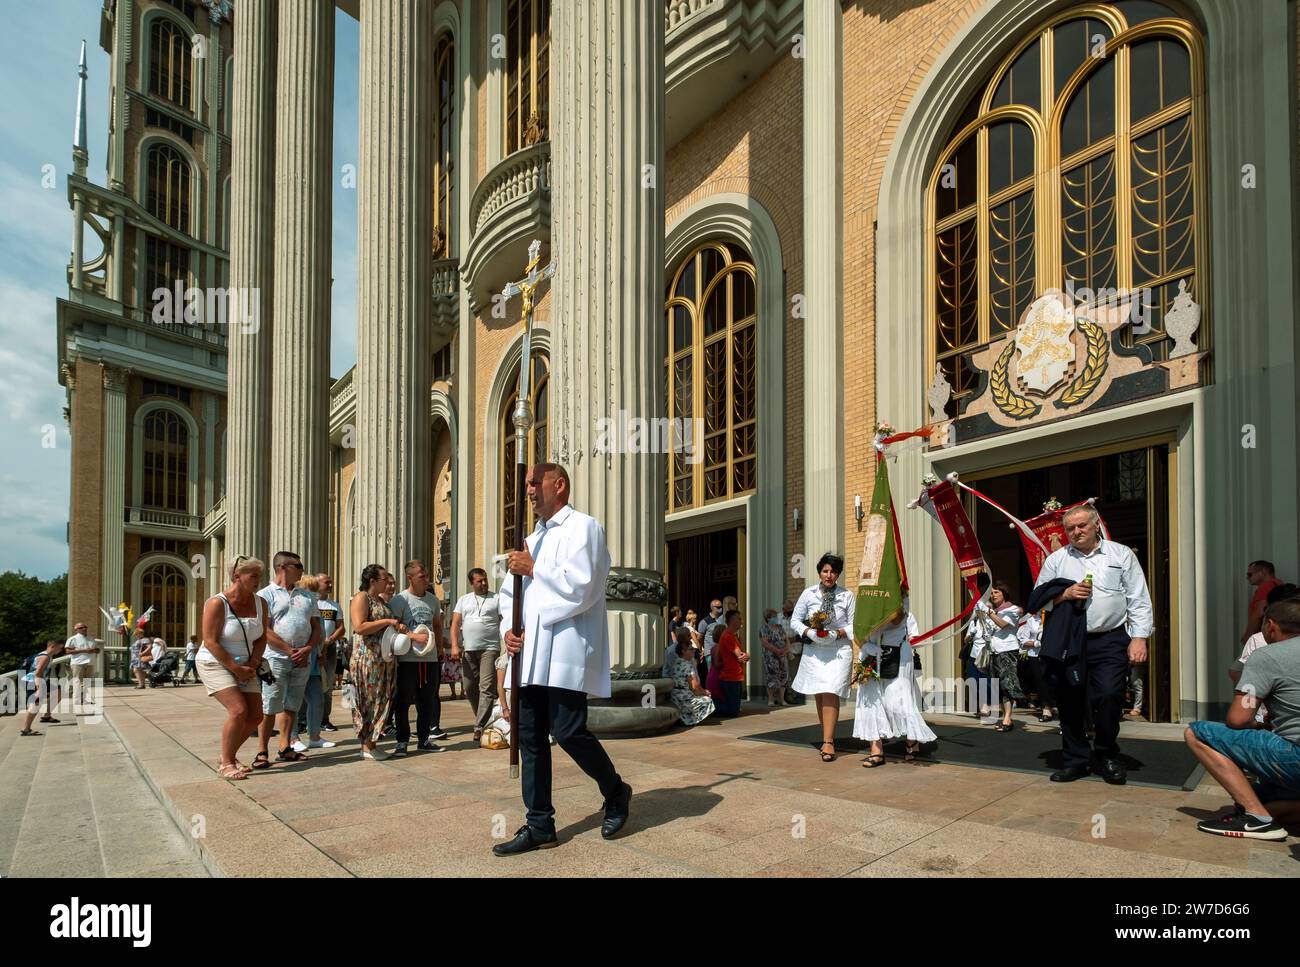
29	664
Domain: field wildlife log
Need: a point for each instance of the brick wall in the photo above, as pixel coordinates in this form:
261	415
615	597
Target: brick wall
87	496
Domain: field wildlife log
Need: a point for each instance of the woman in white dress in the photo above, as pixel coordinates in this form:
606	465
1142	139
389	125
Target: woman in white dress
888	708
827	652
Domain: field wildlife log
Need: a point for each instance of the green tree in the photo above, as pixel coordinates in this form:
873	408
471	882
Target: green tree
32	611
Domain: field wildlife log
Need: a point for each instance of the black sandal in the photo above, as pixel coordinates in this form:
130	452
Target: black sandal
289	755
913	750
29	732
1046	718
828	756
874	760
261	761
1004	727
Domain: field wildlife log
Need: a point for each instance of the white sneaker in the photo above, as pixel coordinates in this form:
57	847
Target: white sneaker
320	744
299	746
375	756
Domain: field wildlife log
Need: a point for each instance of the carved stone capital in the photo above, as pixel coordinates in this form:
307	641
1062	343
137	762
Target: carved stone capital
69	376
115	379
635	584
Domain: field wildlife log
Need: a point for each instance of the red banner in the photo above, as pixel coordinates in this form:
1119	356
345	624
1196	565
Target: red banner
947	506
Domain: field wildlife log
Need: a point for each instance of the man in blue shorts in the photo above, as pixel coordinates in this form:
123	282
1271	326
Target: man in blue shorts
1270	750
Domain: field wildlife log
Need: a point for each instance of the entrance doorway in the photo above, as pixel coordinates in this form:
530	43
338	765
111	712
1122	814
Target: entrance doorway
1132	490
702	567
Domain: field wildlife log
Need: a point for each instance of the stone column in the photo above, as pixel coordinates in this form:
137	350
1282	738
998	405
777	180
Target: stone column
252	220
394	275
111	548
823	512
300	376
607	235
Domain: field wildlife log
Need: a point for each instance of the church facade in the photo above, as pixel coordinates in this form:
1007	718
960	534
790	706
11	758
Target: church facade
1061	235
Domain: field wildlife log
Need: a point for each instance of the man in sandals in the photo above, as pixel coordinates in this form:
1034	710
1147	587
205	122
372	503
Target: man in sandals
290	641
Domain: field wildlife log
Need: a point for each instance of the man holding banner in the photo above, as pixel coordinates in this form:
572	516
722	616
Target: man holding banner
1101	582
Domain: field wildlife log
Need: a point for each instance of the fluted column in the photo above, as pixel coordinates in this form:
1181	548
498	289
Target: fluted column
300	375
607	331
252	220
394	265
823	438
114	450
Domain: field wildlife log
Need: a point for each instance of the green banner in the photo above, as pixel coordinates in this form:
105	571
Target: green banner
880	576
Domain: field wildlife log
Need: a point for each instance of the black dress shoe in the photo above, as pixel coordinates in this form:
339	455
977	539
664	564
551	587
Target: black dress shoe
616	813
526	840
1069	773
1113	772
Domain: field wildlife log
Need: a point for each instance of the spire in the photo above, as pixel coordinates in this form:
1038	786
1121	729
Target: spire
80	156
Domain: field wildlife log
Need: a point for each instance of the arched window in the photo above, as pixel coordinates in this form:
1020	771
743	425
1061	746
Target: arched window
711	368
537	444
166	463
444	154
167	189
162	587
1075	168
528	72
170	63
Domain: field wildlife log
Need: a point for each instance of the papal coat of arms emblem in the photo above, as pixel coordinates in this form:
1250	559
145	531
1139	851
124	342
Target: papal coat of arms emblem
1045	342
1046	349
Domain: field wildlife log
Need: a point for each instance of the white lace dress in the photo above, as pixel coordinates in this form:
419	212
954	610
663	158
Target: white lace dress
891	707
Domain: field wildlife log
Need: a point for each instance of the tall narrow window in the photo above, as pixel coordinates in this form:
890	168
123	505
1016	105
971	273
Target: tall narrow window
163	588
712	364
528	72
1075	169
165	265
444	156
537	449
165	484
170	63
167	190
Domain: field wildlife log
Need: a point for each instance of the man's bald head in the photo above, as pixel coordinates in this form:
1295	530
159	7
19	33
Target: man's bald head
548	489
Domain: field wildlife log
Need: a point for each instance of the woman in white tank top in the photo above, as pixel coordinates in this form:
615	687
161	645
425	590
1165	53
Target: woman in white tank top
234	637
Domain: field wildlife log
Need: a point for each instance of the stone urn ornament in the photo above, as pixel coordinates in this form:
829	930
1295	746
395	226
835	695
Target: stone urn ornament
1181	322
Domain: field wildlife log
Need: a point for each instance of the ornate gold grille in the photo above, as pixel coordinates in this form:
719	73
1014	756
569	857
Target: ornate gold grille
1079	166
444	156
527	74
170	63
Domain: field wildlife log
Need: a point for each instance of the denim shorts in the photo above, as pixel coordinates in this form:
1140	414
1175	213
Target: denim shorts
290	685
1274	760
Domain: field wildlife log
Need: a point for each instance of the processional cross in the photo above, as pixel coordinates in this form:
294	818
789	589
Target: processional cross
523	423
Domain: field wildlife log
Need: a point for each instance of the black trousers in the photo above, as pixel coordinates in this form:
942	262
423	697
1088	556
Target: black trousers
1038	673
560	712
418	683
1105	676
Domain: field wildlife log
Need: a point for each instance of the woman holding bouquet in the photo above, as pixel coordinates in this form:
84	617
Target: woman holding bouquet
823	619
889	701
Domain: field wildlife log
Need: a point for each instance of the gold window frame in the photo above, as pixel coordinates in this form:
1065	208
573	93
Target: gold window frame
732	326
444	155
1048	166
171	74
532	43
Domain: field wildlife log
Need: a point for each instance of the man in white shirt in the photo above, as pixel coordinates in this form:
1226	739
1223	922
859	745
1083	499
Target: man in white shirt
563	655
419	676
291	638
475	640
1110	588
83	650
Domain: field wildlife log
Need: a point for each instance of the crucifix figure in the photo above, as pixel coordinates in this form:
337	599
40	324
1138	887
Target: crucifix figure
523	423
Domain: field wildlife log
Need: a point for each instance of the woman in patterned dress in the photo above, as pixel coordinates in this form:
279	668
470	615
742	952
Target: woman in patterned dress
141	657
373	678
691	700
776	653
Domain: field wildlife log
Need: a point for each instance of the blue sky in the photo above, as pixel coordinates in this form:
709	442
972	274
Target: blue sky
39	48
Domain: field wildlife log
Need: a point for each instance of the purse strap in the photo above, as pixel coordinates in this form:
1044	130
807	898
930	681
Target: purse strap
240	621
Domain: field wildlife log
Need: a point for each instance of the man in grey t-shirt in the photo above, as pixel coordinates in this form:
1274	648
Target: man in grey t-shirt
1228	750
419	677
475	639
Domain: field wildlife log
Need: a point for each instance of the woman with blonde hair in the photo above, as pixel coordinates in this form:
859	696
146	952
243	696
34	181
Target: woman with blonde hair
234	637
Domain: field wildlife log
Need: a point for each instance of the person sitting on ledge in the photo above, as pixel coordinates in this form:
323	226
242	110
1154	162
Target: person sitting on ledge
1271	749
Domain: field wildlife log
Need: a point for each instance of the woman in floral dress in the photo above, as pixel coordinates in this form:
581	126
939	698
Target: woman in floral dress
775	657
692	701
373	678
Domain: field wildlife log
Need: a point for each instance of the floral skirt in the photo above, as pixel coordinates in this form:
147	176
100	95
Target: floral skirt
777	668
694	708
375	680
1004	668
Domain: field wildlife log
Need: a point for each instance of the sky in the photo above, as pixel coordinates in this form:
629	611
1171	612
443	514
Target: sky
39	49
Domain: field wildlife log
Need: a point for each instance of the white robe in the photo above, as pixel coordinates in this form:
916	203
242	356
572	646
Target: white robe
566	638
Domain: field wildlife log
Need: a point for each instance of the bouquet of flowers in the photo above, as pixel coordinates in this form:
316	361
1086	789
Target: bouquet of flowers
817	622
864	669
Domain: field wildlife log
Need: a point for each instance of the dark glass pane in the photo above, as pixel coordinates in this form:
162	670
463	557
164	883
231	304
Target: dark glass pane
742	295
1022	83
1088	223
682	335
956	292
686	284
955	189
1073	43
1090	115
1011	154
715	310
711	263
1163	211
1011	262
1161	75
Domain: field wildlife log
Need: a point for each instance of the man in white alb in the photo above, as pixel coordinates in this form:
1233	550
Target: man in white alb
563	655
1108	580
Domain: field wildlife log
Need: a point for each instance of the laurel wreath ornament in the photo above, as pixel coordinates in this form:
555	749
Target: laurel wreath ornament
1094	369
1008	400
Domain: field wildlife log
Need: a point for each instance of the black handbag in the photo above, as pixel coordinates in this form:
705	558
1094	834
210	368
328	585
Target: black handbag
887	666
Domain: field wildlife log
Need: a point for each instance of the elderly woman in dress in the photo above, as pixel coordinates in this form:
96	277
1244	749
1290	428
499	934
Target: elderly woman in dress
776	653
827	660
692	701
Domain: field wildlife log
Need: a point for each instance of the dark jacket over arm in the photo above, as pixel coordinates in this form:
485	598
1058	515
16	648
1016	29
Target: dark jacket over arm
1065	629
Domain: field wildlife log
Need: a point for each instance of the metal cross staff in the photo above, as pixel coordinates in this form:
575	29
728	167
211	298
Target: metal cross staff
523	422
